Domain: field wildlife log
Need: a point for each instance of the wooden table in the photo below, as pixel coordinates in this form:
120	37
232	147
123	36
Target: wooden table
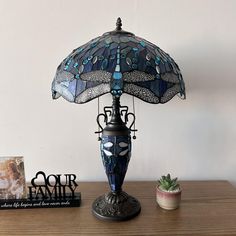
207	208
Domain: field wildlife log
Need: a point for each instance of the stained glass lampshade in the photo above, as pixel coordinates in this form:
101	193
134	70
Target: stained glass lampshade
117	62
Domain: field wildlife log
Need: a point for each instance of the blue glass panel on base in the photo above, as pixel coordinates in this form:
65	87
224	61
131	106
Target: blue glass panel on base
116	153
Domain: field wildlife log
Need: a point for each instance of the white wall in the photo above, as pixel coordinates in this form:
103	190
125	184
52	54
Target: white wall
192	139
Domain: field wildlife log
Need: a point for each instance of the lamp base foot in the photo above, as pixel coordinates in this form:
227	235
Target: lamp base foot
116	206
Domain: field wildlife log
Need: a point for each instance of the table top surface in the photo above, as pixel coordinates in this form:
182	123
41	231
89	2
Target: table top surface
207	208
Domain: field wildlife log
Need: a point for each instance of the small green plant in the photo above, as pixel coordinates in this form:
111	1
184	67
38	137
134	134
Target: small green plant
168	184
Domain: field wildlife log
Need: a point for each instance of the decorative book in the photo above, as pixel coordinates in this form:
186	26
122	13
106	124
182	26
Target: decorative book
12	178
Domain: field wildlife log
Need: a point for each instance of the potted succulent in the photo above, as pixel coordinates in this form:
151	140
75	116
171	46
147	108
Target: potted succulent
168	194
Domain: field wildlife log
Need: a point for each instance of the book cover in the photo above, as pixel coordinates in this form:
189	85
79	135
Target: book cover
12	178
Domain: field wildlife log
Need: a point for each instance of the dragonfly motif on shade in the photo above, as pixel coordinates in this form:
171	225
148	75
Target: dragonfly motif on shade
118	62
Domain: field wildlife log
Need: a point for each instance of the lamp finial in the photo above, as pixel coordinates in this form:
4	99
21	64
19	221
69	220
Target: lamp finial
118	24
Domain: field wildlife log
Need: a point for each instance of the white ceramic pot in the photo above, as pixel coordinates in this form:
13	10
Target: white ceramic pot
168	200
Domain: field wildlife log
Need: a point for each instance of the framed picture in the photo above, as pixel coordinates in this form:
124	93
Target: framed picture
12	178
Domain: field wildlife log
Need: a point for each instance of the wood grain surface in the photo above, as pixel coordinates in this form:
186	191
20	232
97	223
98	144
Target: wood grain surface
207	208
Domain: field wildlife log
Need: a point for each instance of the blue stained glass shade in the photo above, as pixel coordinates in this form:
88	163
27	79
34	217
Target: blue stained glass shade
118	62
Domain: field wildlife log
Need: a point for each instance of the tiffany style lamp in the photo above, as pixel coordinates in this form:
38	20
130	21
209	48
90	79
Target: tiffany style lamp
117	62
